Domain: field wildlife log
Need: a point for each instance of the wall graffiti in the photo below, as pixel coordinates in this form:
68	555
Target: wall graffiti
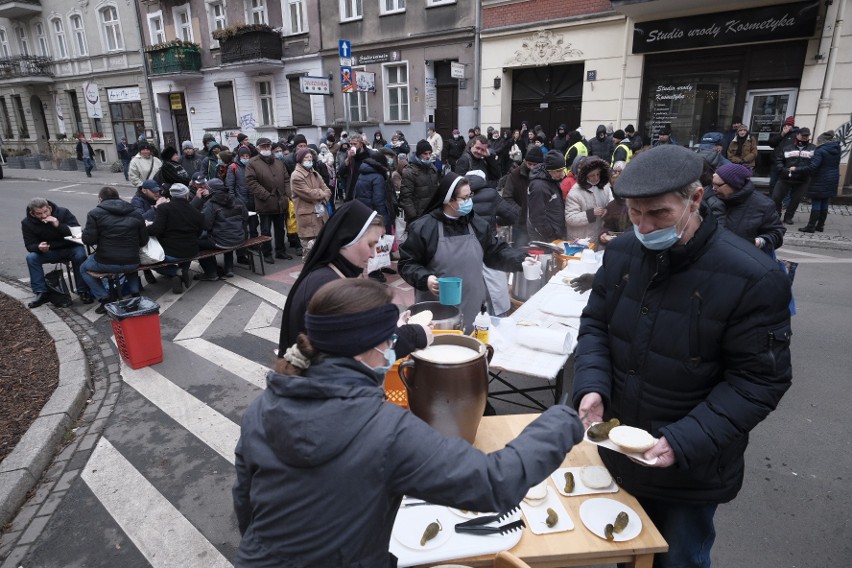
247	121
843	133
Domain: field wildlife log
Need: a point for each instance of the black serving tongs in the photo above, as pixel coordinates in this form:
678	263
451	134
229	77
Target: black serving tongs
482	529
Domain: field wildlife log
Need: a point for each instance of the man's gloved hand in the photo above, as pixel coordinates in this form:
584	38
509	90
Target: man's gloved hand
583	283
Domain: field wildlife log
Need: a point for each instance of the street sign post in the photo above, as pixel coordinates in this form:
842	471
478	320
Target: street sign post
344	48
347	76
347	80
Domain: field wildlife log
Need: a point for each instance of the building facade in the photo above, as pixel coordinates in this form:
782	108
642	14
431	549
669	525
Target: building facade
70	69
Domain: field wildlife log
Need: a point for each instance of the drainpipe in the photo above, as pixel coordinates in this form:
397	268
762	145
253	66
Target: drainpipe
154	117
624	54
477	58
828	80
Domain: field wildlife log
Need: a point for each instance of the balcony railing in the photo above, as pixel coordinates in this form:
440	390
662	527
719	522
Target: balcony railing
175	59
14	9
24	66
250	45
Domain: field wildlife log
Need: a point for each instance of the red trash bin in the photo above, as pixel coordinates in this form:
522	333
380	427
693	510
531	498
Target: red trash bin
136	326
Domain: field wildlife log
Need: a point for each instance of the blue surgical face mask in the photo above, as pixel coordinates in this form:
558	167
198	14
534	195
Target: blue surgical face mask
661	239
390	162
279	155
244	161
390	359
466	207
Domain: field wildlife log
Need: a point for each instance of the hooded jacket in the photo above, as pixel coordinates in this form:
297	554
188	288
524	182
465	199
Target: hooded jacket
545	207
117	230
144	206
323	462
419	184
178	225
749	214
583	198
372	189
35	231
235	181
601	146
309	190
225	219
691	343
489	204
824	169
455	148
515	191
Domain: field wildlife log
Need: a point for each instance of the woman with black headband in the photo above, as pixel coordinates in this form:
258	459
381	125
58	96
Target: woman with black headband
323	460
451	240
341	250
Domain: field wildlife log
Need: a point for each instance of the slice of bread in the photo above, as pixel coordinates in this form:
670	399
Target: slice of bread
632	439
423	318
537	493
595	477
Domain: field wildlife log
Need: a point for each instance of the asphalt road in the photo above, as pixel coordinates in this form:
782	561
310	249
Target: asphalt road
793	511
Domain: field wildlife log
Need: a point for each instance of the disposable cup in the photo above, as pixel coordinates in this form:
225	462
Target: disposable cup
450	290
532	270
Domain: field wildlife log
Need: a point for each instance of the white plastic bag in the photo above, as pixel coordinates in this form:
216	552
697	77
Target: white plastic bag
152	252
383	257
400	229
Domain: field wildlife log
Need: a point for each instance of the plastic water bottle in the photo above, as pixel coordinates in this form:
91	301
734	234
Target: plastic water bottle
481	325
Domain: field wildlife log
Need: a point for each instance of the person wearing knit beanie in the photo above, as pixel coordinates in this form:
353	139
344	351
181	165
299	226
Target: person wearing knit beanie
534	155
618	136
735	176
790	121
422	148
301	153
554	160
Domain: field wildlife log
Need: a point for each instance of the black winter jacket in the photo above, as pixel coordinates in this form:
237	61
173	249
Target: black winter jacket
489	165
793	153
601	147
824	170
546	208
691	343
35	231
172	172
372	190
179	224
454	148
515	191
225	218
118	231
323	462
490	205
417	251
235	181
419	184
749	214
144	206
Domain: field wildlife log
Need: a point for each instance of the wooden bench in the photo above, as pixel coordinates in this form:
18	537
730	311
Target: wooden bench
251	246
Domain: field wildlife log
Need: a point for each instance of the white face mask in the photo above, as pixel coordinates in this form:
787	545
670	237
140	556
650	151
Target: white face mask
265	153
307	164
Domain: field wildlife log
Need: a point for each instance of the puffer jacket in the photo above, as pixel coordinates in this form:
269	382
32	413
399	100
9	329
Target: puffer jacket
268	181
691	343
793	153
455	148
515	191
144	206
235	181
824	169
225	218
601	147
583	198
323	461
545	207
490	205
118	231
179	224
468	162
35	231
749	214
419	184
309	191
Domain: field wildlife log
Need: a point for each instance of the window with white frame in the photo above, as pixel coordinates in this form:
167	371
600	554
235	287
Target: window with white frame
295	17
59	34
391	6
41	39
257	12
265	102
23	40
439	2
156	28
396	92
111	28
183	22
351	10
79	32
357	101
4	43
217	16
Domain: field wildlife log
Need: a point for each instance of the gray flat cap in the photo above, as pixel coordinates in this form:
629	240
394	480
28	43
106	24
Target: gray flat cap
660	170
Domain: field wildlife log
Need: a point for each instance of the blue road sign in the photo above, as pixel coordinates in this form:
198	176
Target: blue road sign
347	80
344	48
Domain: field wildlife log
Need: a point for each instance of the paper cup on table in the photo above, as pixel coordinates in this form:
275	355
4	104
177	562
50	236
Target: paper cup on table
548	340
76	232
450	290
532	270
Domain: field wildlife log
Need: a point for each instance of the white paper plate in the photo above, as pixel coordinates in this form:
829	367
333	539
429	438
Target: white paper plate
615	448
537	514
468	514
412	522
558	478
597	513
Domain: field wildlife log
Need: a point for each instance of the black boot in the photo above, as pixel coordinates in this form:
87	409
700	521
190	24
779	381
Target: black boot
811	226
823	215
40	299
149	277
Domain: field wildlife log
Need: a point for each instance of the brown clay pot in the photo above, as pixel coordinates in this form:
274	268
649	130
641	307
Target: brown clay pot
450	397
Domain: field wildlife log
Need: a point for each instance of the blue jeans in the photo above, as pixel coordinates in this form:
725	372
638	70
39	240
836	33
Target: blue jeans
173	270
819	204
687	528
35	260
88	165
126	164
96	285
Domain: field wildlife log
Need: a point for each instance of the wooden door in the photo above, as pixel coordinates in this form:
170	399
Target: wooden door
447	111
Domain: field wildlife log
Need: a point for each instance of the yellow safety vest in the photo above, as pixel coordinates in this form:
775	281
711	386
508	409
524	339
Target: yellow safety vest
627	148
581	151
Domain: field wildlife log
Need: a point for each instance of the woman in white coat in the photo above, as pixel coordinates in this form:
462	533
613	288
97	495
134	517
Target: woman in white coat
585	205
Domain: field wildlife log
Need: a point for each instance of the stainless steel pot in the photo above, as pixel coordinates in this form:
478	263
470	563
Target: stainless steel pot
523	289
443	317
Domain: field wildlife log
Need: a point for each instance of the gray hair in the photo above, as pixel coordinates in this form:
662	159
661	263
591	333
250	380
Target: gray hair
37	203
687	191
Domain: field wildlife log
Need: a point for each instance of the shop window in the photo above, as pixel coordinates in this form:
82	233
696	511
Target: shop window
391	6
75	110
59	34
227	106
5	122
351	10
300	103
295	18
127	120
396	92
23	130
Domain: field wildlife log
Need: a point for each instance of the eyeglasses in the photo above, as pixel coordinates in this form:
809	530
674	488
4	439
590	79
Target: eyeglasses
718	185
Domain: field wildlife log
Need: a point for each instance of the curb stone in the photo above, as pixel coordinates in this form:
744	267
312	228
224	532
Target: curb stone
23	468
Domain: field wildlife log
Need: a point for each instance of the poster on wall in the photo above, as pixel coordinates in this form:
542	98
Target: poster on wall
60	116
366	81
93	100
431	92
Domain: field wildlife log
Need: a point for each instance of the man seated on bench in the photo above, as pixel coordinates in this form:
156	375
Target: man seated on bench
225	220
45	228
178	225
117	230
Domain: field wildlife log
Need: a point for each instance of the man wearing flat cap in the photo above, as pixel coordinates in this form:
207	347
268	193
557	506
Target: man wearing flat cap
686	335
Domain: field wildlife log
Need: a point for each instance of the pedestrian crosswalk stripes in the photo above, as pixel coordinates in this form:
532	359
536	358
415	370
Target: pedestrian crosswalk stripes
160	532
242	367
205	316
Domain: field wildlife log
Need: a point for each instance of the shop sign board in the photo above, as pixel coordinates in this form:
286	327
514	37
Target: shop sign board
175	101
315	85
769	23
382	57
456	70
430	94
124	95
93	100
